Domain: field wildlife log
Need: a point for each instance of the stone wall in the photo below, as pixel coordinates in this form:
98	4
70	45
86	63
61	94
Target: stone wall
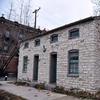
87	46
97	54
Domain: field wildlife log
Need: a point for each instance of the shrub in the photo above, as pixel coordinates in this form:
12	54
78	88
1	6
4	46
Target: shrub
98	94
59	89
76	92
82	94
40	86
21	83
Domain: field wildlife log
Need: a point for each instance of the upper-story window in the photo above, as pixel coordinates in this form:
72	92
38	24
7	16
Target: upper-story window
37	42
74	33
26	45
7	35
73	56
54	38
5	48
21	34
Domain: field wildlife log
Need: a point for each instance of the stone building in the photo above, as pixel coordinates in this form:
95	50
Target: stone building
10	33
67	56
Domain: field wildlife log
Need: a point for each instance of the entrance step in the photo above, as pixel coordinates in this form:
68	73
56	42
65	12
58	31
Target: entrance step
50	86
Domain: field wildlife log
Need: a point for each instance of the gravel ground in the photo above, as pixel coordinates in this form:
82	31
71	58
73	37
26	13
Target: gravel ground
31	93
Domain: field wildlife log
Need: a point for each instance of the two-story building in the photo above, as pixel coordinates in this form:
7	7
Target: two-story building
67	56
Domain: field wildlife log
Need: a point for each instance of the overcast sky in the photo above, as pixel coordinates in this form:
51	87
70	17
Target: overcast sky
53	13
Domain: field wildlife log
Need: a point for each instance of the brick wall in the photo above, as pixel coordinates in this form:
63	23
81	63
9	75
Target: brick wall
15	29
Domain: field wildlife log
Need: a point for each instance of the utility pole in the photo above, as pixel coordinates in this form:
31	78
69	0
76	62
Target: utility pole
35	11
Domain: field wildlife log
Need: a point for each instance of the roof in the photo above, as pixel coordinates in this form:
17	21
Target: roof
3	19
65	26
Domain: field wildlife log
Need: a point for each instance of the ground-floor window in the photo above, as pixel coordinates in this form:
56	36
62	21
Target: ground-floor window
73	56
25	62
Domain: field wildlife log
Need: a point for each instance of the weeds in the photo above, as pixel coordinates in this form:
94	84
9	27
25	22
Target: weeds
77	93
21	83
40	86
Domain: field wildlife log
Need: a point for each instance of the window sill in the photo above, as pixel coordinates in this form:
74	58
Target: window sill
73	75
25	48
37	45
53	42
24	72
70	38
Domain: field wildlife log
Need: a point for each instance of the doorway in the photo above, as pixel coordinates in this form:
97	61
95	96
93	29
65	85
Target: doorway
35	69
53	67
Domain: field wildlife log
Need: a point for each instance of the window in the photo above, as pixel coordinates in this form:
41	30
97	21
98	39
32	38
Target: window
54	38
73	56
25	62
74	33
21	34
5	48
26	45
7	35
37	42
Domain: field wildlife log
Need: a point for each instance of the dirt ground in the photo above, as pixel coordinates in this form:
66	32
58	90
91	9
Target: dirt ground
8	96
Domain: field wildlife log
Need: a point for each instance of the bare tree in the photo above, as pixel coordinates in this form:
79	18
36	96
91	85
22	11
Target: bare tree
26	12
10	10
96	7
21	12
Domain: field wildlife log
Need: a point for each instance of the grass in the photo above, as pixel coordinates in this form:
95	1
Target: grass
8	96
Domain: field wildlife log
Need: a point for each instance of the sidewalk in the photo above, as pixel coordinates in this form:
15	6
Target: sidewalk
29	92
33	94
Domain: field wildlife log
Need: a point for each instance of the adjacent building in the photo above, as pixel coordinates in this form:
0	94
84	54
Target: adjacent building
12	32
67	56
